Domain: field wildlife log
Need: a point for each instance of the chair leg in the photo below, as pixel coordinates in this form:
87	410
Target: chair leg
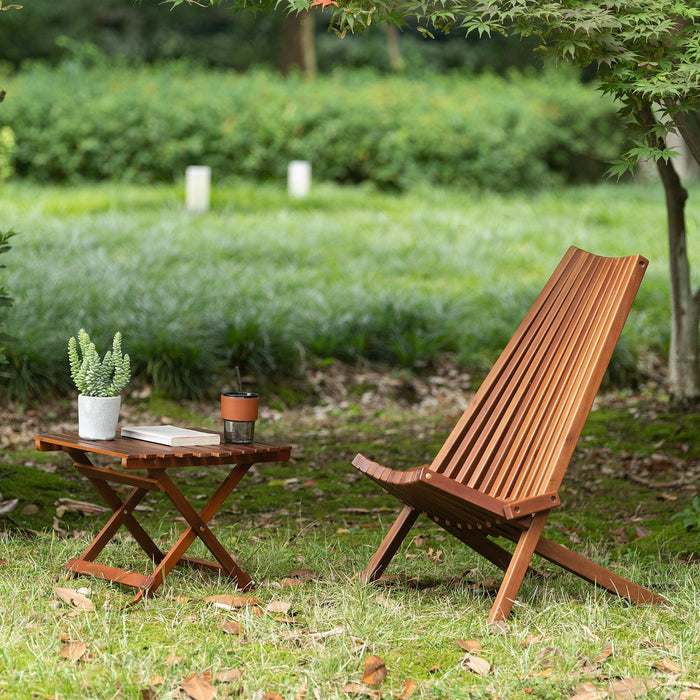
390	544
519	564
599	575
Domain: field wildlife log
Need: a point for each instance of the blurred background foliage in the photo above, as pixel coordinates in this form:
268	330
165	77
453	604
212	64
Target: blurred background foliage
215	36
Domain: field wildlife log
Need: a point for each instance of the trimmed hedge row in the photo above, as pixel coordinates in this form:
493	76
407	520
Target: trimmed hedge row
148	124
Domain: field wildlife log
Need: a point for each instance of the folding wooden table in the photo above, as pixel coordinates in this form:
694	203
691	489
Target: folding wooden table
156	461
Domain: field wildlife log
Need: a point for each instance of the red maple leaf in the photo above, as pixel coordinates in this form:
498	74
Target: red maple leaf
323	3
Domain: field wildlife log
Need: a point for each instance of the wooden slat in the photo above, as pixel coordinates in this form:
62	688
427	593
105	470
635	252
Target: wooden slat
139	454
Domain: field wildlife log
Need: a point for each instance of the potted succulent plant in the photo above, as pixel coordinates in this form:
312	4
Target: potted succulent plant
100	381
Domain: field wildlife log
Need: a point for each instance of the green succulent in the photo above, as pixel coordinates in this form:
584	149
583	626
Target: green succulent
95	376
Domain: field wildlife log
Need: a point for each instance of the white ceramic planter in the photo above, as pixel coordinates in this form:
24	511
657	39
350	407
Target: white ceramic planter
98	416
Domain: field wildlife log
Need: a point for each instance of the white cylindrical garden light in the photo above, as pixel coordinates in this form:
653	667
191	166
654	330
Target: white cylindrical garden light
197	187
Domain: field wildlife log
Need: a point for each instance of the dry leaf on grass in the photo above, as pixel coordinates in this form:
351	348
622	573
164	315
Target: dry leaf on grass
231	602
83	507
329	633
375	671
533	639
174	659
386	602
470	645
631	688
358	689
604	655
302	692
74	650
229	676
72	597
272	696
498	627
409	687
232	627
278	606
588	691
689	695
290	582
303	574
667	666
198	688
476	664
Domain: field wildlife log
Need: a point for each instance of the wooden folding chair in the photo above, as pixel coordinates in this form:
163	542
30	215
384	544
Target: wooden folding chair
499	472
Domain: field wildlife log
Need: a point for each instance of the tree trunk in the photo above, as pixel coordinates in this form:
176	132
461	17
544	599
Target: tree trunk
688	125
298	48
683	362
394	48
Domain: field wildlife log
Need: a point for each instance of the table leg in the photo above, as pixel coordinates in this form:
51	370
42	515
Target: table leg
198	528
122	510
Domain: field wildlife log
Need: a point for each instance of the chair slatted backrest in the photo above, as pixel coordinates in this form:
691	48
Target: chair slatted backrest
516	437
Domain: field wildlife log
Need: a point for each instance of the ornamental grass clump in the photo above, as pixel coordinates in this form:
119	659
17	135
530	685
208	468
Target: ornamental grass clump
95	376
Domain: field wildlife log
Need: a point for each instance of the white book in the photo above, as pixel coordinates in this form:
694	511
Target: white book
170	435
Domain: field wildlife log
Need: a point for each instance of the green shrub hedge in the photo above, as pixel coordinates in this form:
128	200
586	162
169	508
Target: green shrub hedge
148	124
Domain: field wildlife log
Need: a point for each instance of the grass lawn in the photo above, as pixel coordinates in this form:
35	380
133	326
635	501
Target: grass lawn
305	530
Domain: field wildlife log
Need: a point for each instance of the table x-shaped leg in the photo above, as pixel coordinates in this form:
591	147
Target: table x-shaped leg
157	480
198	528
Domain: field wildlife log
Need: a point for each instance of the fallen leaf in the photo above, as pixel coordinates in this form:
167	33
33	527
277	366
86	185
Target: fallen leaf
689	695
30	509
375	671
229	676
476	664
668	666
69	504
229	602
631	688
291	582
173	659
605	654
302	692
149	694
329	633
409	688
531	640
74	650
588	691
68	595
198	688
8	506
386	602
156	680
232	627
498	627
357	689
272	696
469	645
304	574
278	606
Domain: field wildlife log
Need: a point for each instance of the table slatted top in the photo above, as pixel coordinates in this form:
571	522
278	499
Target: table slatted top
139	454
